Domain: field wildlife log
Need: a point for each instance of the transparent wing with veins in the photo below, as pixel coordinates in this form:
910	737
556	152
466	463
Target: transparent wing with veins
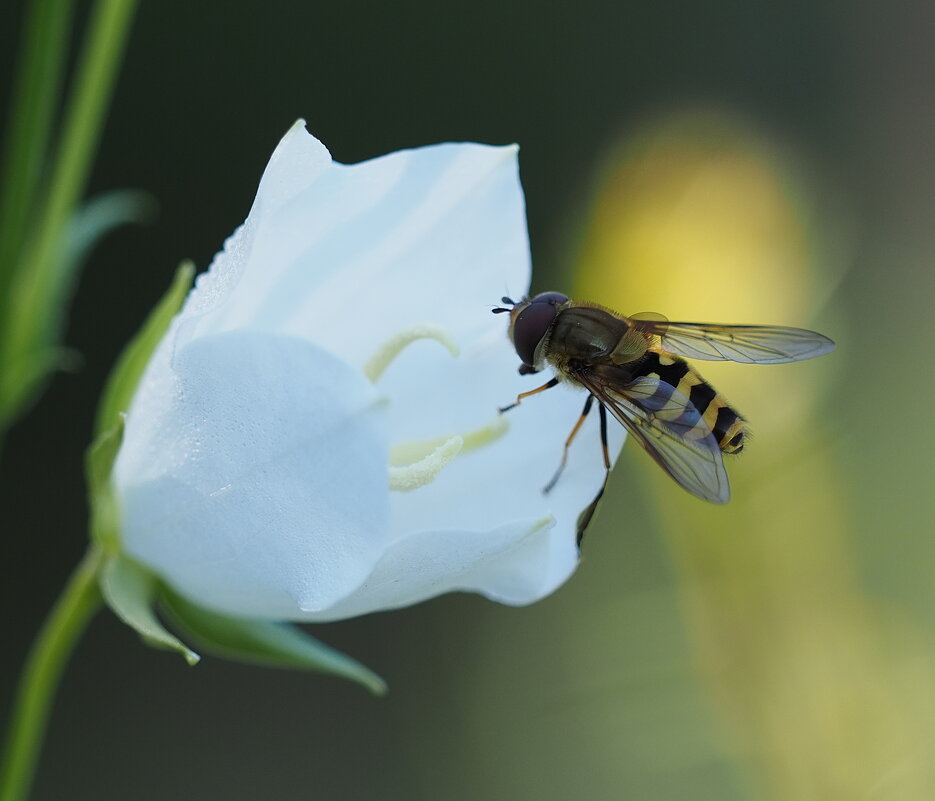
668	427
748	344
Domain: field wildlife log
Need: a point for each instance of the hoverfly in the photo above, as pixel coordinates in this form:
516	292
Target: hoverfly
633	367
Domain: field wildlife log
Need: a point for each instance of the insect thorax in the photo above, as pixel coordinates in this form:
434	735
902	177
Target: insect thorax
585	333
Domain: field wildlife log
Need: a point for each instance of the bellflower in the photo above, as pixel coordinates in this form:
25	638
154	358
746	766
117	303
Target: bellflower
317	435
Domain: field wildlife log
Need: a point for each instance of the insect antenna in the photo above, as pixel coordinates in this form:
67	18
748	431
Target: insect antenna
504	299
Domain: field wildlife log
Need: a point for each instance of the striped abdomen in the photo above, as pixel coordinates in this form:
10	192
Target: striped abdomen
728	426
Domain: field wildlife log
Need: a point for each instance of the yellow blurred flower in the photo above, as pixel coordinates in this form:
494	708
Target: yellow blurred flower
699	218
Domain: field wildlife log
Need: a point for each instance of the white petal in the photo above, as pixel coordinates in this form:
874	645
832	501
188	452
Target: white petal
344	255
253	475
515	563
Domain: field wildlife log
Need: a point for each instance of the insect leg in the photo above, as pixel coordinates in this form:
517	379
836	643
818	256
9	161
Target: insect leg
519	398
584	519
604	448
571	436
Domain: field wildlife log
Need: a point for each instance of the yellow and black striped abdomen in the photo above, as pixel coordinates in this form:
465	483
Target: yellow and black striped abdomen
728	427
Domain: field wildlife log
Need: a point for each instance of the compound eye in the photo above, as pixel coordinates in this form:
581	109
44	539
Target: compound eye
555	298
532	323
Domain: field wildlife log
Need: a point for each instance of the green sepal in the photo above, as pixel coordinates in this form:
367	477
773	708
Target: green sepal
126	374
265	642
130	591
115	399
104	514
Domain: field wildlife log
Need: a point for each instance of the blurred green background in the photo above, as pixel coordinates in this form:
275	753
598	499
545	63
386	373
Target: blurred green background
747	162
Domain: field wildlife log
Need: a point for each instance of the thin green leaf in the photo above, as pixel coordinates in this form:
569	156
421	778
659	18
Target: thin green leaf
28	370
126	374
103	213
266	642
87	226
130	592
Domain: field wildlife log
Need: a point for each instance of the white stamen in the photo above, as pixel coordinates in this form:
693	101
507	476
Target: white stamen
484	435
415	464
418	474
390	349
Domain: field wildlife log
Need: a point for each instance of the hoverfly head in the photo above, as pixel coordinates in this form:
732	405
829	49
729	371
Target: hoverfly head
530	322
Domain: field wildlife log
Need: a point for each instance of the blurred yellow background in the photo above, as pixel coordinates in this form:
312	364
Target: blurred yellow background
822	687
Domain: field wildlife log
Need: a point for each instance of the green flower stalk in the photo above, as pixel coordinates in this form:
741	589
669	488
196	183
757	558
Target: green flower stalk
80	599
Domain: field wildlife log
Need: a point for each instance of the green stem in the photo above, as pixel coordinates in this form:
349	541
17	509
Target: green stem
84	117
78	602
35	97
36	292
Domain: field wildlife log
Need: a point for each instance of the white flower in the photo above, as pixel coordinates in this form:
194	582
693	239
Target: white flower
306	445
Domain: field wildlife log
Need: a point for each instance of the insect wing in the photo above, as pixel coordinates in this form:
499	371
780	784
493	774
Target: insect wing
670	429
748	344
